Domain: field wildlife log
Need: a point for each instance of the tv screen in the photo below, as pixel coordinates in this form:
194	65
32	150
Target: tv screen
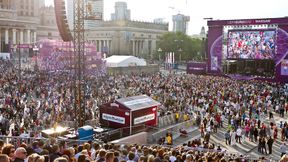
251	44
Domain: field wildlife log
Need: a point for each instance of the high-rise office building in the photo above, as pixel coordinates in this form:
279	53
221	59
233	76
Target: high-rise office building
121	12
94	10
180	23
41	3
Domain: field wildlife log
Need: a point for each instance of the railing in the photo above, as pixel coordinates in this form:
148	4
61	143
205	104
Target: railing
161	132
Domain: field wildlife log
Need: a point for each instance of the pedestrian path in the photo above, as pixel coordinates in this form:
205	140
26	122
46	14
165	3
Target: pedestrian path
247	147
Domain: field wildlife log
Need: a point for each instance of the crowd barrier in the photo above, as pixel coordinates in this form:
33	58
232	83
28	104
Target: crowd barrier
189	126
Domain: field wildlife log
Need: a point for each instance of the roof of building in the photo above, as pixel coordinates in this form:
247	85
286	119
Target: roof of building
124	61
138	102
117	58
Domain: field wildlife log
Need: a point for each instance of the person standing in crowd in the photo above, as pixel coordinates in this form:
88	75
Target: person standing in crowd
20	154
169	139
227	138
283	149
238	134
233	138
4	158
9	150
270	142
55	152
255	134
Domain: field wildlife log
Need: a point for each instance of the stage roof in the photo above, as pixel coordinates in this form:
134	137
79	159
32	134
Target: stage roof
281	20
138	102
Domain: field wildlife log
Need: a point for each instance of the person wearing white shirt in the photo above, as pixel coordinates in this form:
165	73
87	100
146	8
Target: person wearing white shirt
173	158
238	135
283	149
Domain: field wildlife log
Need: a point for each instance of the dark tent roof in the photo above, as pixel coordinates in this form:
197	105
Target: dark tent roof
137	102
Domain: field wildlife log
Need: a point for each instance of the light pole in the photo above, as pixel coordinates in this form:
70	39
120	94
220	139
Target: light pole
36	50
180	54
179	49
19	57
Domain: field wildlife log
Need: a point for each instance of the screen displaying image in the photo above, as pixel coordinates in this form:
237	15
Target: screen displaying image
251	44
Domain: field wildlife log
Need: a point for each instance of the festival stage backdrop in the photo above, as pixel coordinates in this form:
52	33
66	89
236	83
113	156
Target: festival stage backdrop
216	42
56	55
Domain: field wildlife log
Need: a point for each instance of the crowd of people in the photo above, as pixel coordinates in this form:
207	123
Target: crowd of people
31	100
53	151
251	44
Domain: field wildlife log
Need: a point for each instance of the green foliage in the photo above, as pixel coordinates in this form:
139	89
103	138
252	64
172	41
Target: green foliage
191	48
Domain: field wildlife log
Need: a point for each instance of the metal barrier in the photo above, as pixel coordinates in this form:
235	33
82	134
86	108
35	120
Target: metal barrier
16	141
174	129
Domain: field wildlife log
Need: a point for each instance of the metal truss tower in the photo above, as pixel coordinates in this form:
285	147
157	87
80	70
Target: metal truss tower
79	58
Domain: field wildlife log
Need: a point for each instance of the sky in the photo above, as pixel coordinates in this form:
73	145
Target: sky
148	10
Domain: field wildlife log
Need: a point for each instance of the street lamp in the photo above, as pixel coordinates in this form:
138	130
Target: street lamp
180	54
36	50
179	49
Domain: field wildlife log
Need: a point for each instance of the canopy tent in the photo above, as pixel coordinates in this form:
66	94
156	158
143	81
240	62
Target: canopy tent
124	61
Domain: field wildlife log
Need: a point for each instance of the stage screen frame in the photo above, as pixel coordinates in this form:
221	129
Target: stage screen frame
274	50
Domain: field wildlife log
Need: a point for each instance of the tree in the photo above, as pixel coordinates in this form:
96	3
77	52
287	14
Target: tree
182	45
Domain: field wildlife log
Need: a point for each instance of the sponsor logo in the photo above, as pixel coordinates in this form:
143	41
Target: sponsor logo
113	118
143	119
263	21
240	22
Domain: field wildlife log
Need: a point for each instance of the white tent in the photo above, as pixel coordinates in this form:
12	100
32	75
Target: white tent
124	61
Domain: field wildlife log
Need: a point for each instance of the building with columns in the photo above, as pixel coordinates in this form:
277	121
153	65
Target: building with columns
47	27
22	20
18	22
122	36
126	37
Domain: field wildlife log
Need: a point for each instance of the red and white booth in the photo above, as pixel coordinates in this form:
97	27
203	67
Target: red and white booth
130	111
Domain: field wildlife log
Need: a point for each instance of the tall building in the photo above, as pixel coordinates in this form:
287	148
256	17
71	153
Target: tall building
27	8
47	27
94	13
20	23
94	10
201	35
41	3
121	12
159	21
180	23
124	37
70	13
203	32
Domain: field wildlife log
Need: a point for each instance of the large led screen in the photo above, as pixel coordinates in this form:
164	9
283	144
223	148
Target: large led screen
251	44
